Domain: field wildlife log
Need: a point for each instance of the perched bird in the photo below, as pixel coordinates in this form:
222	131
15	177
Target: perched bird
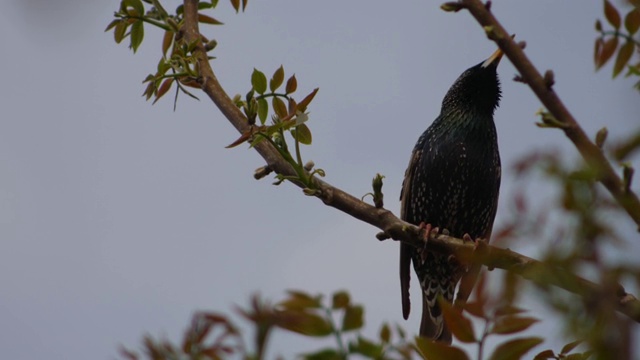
452	183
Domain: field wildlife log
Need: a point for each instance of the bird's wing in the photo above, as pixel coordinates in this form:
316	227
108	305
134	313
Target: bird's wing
406	250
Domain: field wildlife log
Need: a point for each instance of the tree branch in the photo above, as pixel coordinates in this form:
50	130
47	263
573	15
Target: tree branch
542	87
383	219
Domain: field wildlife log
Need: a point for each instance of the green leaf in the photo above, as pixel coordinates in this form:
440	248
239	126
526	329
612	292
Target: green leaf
263	109
632	21
302	134
324	354
612	14
366	348
459	325
112	24
340	300
515	349
137	34
304	323
512	324
119	32
277	79
385	333
353	316
432	350
208	20
299	300
258	81
279	107
136	5
292	84
624	55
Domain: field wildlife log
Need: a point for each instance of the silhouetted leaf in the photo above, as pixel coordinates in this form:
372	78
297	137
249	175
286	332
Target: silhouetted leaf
258	81
632	21
612	14
431	350
624	54
302	134
292	84
208	20
276	79
598	25
515	349
459	325
341	300
512	324
137	34
263	110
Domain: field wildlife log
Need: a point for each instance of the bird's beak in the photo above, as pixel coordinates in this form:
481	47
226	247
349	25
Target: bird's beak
494	59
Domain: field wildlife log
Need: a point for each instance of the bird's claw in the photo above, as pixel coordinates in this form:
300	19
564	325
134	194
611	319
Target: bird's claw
426	231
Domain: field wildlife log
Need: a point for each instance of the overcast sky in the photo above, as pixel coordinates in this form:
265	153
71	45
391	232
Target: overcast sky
119	218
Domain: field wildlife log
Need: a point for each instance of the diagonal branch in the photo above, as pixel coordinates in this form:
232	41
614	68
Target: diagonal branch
383	219
542	87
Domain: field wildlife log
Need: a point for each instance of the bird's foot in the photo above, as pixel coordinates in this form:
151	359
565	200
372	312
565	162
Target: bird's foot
426	230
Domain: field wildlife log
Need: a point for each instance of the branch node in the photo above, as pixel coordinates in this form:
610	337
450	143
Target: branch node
487	5
549	79
601	137
519	78
382	236
453	6
261	172
522	44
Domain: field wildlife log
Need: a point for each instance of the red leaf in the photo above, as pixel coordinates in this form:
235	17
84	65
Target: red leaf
612	14
458	324
302	106
512	324
624	54
431	350
515	349
632	21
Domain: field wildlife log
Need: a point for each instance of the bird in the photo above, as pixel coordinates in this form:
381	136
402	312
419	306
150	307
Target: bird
452	183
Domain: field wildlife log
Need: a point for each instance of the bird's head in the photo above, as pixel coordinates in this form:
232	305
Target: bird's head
477	89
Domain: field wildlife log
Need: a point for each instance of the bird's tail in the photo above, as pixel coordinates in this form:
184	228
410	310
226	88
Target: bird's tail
432	325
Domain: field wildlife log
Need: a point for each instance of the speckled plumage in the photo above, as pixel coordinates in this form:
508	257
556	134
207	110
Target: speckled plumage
452	183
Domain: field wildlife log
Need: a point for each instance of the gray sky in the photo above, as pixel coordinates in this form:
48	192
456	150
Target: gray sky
118	218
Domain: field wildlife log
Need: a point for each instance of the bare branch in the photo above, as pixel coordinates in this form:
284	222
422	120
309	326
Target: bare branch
591	153
386	221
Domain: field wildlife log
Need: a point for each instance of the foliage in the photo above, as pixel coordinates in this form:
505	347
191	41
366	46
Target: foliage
619	39
585	233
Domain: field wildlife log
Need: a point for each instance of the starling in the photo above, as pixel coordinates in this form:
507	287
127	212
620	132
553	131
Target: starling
452	183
